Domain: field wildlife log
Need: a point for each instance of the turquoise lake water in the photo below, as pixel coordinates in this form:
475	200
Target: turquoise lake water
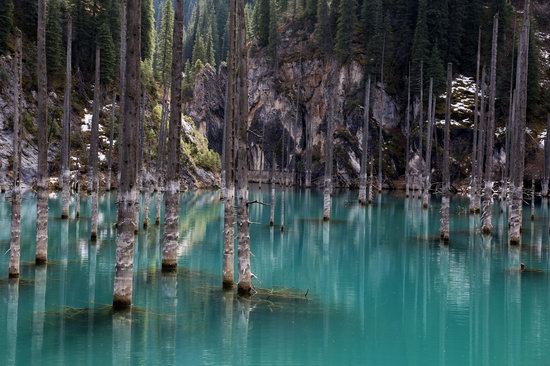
374	286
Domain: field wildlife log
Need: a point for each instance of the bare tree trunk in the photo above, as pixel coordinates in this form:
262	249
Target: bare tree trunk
16	195
480	146
446	199
124	262
421	128
229	156
546	159
427	173
475	156
42	121
487	216
273	200
518	141
160	155
171	199
509	123
327	191
94	143
408	136
122	76
365	143
245	275
111	138
65	169
533	200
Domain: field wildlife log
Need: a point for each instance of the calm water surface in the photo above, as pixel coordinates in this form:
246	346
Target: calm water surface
381	290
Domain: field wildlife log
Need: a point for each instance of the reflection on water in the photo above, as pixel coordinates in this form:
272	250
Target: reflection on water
372	286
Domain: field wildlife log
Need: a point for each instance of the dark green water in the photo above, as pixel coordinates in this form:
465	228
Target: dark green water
381	290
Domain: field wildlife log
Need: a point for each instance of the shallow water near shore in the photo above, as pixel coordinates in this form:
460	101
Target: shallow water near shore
372	286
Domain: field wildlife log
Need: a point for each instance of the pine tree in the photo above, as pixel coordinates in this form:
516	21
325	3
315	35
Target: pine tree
421	44
334	14
345	30
163	49
434	69
108	54
262	22
199	51
210	51
273	32
147	30
26	17
6	24
323	28
54	38
311	9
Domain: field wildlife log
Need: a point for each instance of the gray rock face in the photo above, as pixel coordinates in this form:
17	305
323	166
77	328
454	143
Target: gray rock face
273	95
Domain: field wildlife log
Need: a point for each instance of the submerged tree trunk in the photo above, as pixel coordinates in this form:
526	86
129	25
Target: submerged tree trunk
421	133
327	191
506	171
427	173
111	138
518	141
480	145
124	262
229	154
94	143
446	199
65	169
408	136
42	121
172	206
487	216
160	156
365	143
16	194
546	159
245	275
475	156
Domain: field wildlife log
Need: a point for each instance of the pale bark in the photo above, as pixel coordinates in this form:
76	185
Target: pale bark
487	216
160	156
509	124
518	140
15	240
446	199
229	154
408	136
327	189
365	147
480	146
124	261
65	169
475	156
533	200
94	143
371	183
421	133
546	159
171	200
245	287
42	121
427	173
122	77
111	138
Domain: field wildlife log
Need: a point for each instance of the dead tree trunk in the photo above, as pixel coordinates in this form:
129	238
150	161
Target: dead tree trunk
229	156
65	169
546	173
475	156
245	275
506	170
273	200
487	216
427	173
122	76
16	195
408	136
365	143
518	141
446	199
94	142
327	192
480	146
42	121
124	261
111	138
160	155
171	200
421	132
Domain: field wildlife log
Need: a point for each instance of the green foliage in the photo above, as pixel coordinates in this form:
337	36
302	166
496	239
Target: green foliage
6	24
199	51
311	9
210	53
262	22
163	50
54	38
323	32
345	30
147	29
195	149
108	54
421	44
435	69
29	125
273	32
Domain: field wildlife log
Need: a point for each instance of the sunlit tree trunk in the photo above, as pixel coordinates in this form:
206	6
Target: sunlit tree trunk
94	143
365	143
111	138
42	121
124	261
518	141
229	156
327	190
446	199
160	155
475	156
16	194
427	173
245	275
65	169
509	123
171	199
487	216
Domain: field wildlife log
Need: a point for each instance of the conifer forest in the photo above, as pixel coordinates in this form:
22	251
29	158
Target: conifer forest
274	182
